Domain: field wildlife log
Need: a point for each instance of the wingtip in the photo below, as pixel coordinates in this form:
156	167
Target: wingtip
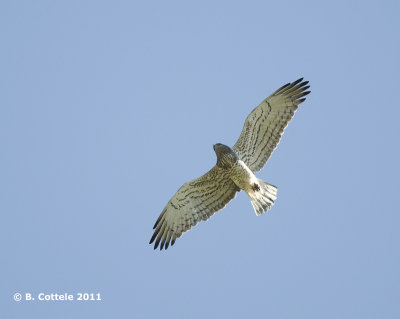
297	81
290	87
153	237
162	244
158	241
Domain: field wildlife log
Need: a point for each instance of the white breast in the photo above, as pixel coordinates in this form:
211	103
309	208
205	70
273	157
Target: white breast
243	176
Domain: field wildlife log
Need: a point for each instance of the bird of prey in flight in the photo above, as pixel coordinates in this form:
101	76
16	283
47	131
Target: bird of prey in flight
199	199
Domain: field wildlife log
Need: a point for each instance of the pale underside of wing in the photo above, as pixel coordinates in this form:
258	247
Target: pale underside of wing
195	201
264	126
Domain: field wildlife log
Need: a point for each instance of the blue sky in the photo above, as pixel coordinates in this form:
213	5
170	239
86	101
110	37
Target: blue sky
107	108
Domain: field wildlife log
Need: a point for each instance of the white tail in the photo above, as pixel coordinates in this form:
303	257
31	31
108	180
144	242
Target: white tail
262	198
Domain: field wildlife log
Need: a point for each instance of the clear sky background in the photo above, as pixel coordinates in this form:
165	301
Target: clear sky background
108	107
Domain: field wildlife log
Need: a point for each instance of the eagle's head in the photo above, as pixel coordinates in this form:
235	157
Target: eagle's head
225	156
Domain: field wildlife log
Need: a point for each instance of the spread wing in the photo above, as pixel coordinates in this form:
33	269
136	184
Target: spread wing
264	126
195	201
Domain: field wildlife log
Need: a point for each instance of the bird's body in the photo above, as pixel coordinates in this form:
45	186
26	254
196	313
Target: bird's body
243	177
234	171
261	194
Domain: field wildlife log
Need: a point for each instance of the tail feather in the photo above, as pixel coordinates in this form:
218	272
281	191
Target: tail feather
263	197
